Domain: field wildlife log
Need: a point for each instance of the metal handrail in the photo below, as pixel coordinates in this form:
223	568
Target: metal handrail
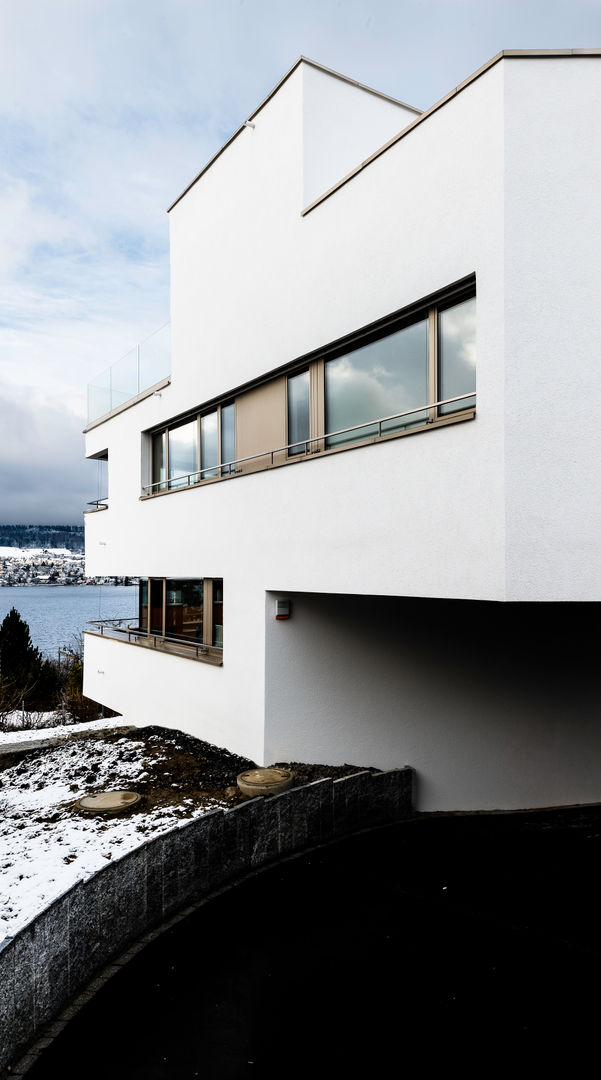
200	649
225	469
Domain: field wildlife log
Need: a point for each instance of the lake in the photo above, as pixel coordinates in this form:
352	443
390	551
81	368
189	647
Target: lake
55	613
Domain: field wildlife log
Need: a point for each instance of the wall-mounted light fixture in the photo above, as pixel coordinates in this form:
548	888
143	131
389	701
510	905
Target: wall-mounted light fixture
248	123
282	609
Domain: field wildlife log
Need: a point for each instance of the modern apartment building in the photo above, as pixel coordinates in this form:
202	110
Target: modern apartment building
363	502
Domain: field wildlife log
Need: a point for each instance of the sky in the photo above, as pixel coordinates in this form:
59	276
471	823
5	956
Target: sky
108	108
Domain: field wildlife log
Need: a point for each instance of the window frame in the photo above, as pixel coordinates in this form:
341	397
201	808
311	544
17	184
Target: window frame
170	483
426	309
208	629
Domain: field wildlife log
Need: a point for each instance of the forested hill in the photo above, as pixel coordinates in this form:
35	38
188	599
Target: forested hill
42	536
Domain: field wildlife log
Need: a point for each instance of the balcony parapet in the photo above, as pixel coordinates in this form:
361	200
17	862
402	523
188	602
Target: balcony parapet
128	631
137	373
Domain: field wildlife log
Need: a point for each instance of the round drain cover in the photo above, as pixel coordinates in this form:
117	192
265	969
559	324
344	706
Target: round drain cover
265	781
105	801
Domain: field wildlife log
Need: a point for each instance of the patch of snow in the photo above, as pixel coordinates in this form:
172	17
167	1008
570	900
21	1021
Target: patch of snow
31	553
45	845
34	734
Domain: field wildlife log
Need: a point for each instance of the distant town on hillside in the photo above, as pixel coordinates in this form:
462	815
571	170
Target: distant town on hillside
42	536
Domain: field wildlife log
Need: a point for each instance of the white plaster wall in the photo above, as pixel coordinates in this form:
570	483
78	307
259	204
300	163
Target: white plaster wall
223	705
418	515
342	125
494	705
552	328
256	285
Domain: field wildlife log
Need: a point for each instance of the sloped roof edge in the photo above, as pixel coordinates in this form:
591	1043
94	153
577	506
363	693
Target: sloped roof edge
301	60
505	54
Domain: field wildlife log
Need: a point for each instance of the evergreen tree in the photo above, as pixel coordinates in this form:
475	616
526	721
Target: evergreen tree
18	655
23	667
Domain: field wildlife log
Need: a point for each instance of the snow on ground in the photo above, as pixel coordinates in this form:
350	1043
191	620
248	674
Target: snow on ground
40	728
30	553
45	845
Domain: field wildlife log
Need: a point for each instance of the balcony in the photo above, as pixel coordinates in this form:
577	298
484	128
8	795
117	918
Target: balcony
129	631
138	372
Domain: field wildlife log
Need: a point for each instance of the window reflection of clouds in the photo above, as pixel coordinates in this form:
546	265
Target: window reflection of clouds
386	377
457	353
182	450
208	444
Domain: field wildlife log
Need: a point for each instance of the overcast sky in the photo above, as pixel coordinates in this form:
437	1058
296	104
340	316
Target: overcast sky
108	108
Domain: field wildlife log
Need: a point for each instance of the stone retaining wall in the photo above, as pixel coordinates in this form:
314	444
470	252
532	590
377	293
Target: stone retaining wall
44	966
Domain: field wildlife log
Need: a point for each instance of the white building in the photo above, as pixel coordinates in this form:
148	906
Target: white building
333	266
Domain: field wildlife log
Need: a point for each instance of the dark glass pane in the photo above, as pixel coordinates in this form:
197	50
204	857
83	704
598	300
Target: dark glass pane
218	614
457	355
387	377
228	436
208	445
184	609
159	461
183	455
298	411
156	605
143	605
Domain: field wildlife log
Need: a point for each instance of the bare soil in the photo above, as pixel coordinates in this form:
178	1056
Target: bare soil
180	767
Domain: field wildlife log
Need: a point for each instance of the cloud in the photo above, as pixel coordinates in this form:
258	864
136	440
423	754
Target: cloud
44	477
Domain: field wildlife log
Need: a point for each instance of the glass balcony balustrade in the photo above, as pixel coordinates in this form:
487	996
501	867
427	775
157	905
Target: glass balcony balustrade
142	367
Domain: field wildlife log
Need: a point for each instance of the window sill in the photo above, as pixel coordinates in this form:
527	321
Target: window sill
283	458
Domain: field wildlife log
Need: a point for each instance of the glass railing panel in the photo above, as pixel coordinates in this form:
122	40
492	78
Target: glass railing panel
155	356
124	379
99	395
140	368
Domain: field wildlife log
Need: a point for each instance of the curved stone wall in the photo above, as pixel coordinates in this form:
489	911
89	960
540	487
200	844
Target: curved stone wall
44	966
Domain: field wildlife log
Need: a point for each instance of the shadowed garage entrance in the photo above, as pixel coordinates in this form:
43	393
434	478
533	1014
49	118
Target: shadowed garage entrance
452	940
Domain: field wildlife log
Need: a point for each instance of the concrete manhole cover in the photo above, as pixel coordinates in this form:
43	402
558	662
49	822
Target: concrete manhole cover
107	801
264	781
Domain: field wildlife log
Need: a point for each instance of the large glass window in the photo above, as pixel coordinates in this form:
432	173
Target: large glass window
188	610
179	461
183	455
387	382
228	436
156	591
386	377
159	461
209	450
218	614
143	605
457	355
184	601
298	411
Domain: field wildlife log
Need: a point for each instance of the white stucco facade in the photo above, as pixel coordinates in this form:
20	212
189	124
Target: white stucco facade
499	184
